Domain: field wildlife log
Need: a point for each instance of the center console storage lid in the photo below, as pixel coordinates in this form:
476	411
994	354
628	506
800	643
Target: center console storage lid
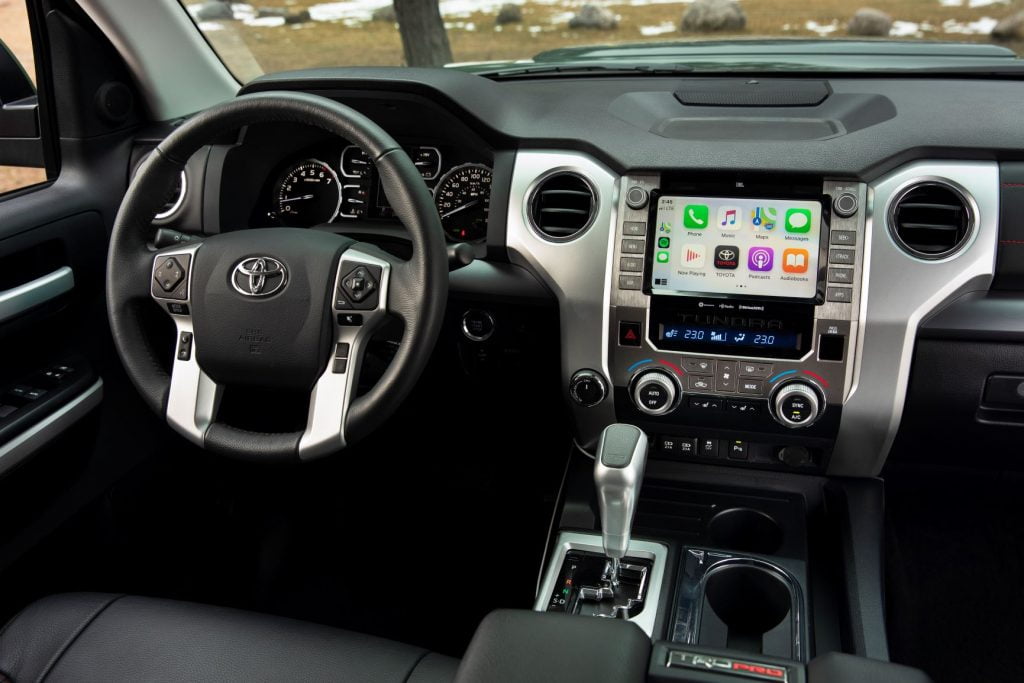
517	645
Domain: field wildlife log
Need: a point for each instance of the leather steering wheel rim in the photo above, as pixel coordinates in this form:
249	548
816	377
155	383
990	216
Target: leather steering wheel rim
416	293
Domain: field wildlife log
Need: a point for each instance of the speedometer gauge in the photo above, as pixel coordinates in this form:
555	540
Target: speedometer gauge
308	194
463	198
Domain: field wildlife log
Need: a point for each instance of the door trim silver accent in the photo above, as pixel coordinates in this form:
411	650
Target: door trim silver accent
590	542
50	427
23	298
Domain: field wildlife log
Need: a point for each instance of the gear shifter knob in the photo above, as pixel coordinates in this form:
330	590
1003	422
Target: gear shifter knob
618	473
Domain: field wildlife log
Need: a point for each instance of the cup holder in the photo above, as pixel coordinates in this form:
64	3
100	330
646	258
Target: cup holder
748	608
745	530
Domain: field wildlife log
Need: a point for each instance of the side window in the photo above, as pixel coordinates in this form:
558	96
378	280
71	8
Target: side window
21	149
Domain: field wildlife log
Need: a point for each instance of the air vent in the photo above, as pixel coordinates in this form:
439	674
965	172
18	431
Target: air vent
174	198
931	220
562	206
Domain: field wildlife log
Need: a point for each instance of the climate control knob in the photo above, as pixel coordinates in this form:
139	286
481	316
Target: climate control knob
796	404
655	392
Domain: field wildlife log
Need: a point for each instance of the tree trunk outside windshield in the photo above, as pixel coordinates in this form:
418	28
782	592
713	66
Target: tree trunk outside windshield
424	39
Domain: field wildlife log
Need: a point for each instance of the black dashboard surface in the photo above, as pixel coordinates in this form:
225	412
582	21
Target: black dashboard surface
866	127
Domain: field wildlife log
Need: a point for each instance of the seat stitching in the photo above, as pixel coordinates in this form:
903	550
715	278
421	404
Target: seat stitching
74	636
416	664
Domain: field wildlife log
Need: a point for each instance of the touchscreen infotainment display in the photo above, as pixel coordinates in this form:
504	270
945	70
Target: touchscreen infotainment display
752	247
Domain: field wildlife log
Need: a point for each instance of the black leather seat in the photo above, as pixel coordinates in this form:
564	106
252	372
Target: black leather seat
101	637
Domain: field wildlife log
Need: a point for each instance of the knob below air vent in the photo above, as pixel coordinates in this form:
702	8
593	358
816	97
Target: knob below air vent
562	206
931	220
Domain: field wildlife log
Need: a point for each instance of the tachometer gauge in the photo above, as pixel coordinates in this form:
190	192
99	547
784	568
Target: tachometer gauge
308	194
463	198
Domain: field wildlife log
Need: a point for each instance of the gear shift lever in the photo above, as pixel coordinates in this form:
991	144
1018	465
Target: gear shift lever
618	473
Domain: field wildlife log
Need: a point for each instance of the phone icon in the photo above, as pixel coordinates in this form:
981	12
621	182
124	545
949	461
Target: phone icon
795	260
695	216
798	220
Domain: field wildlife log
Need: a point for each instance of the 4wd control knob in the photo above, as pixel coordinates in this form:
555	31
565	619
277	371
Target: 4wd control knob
796	404
655	392
588	388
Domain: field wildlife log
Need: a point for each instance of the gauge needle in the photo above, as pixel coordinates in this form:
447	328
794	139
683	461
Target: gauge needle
295	199
461	208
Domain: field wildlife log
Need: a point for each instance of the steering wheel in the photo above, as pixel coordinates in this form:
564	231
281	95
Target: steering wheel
280	308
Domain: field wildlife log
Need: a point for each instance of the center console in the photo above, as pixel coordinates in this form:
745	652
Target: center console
733	317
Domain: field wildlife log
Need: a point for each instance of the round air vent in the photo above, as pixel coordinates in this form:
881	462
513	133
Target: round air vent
175	196
562	206
931	220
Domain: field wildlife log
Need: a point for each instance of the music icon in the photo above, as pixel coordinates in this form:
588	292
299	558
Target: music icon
730	218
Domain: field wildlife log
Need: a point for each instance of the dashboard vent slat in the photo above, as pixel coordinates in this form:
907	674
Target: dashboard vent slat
931	220
562	206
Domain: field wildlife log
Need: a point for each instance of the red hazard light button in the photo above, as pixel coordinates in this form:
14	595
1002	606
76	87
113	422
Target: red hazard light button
629	334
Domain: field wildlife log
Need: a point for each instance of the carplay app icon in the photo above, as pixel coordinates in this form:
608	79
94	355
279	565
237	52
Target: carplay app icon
727	257
761	259
694	255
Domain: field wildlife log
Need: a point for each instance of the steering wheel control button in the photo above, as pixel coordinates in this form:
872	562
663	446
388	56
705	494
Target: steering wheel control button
358	287
177	309
845	205
341	350
655	393
340	366
478	325
629	334
636	197
170	277
185	346
359	284
796	404
587	388
350	319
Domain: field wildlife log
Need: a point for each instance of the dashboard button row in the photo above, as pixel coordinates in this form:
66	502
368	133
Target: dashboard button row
713	403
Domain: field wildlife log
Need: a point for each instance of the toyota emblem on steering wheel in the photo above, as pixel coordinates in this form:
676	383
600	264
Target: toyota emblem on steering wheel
259	276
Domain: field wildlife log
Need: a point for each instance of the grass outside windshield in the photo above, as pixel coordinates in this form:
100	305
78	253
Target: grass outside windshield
254	39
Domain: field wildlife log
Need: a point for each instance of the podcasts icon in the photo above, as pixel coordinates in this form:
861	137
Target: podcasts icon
761	259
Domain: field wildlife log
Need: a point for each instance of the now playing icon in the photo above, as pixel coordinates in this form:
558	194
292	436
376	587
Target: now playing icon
727	257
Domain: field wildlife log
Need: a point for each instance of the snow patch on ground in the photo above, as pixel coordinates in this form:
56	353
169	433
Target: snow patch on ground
661	29
972	3
822	29
982	26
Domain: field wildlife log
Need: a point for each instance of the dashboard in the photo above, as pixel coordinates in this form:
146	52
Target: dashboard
747	284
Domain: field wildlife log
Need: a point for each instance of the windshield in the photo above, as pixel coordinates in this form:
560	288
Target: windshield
502	37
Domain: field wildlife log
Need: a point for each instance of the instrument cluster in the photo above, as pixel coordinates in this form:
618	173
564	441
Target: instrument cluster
345	187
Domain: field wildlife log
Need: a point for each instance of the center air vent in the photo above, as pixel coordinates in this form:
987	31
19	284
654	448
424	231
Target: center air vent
931	220
562	206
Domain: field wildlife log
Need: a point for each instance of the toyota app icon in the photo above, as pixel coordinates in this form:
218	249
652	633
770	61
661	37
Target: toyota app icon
727	257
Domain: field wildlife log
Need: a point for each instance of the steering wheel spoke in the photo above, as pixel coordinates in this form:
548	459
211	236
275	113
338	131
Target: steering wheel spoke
362	288
193	397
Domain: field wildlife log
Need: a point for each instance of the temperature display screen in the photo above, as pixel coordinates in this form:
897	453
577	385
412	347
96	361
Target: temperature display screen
724	336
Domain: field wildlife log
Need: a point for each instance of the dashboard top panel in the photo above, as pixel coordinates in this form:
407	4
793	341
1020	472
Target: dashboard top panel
866	127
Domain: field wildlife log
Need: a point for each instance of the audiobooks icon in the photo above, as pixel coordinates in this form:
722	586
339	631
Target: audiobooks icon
694	255
795	261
